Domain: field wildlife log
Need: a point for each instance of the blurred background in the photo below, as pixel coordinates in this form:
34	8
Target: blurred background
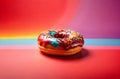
27	18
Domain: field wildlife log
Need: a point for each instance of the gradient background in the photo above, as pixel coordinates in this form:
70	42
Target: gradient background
23	18
21	21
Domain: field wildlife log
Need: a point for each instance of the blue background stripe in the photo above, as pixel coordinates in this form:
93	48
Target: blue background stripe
88	42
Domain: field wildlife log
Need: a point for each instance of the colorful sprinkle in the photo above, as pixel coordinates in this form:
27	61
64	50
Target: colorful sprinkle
65	38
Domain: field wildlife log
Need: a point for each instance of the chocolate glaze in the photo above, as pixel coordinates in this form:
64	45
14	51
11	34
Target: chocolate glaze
61	38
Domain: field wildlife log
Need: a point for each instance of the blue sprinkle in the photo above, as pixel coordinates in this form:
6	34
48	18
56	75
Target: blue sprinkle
54	43
52	33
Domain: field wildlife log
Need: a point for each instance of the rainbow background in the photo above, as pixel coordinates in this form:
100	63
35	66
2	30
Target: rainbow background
21	21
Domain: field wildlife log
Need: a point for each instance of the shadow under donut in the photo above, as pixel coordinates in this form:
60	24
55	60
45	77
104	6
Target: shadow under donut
80	55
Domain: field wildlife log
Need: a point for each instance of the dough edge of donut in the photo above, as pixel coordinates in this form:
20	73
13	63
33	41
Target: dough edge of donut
61	52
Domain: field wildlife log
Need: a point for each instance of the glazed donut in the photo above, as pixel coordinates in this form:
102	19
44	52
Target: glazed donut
60	42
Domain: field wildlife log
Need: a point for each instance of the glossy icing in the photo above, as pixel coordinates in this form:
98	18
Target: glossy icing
65	38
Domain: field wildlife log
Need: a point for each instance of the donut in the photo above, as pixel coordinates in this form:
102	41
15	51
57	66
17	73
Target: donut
60	42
